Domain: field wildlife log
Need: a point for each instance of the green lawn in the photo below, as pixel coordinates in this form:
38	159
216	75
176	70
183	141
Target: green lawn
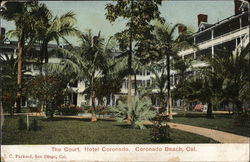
78	131
223	123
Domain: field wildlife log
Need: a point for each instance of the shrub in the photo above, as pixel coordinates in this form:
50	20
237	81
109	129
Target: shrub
160	131
139	110
34	125
21	124
70	109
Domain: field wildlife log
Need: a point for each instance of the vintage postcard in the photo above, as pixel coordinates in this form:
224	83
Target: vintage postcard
125	80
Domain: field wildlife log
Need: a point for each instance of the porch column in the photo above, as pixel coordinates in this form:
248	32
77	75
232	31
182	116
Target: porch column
173	79
195	50
111	100
212	38
240	22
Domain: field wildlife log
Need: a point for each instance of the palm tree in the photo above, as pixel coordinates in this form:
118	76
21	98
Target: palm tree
234	69
159	80
23	16
169	46
87	63
182	67
53	28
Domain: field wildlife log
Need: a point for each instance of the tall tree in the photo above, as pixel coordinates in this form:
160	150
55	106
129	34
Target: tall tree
169	44
22	14
53	28
138	15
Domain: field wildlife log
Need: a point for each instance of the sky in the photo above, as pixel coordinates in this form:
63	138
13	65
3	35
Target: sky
91	14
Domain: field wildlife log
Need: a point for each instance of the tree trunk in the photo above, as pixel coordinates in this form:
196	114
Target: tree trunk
129	100
135	81
93	111
92	96
169	102
209	110
46	53
42	54
19	74
239	108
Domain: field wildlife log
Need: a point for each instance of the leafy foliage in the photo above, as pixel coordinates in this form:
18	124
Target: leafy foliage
160	131
8	78
140	110
48	89
34	125
139	15
21	124
70	109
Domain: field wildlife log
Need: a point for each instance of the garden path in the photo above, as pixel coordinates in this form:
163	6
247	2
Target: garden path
219	136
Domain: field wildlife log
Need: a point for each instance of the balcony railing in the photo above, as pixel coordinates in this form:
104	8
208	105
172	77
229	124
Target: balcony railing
218	40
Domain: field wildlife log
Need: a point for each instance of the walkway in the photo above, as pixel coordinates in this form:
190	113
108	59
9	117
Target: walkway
219	136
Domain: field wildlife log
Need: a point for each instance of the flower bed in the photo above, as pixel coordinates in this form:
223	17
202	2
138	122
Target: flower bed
70	109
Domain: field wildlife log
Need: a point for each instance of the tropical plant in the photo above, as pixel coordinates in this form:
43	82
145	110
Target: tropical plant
234	69
52	28
181	67
140	110
168	47
160	81
90	62
8	78
23	15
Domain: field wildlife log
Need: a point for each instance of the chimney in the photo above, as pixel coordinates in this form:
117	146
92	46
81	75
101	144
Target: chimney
182	29
201	18
237	5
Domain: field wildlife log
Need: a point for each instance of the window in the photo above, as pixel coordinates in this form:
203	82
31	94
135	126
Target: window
148	83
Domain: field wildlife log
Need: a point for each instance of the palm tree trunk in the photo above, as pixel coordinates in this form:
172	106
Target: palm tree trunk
19	74
93	111
209	110
129	100
169	103
135	81
46	53
42	56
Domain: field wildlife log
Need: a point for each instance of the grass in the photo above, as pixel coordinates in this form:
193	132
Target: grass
79	131
224	123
